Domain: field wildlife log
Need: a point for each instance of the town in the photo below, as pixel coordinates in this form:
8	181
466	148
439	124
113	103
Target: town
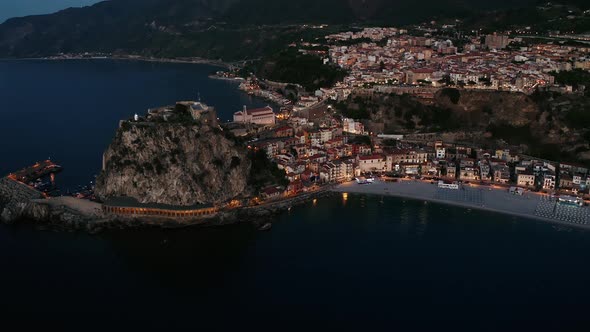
389	60
317	147
315	144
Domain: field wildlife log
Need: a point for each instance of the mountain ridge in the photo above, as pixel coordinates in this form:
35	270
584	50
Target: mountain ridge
177	27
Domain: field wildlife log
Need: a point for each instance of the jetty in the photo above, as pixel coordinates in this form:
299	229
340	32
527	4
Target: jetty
36	171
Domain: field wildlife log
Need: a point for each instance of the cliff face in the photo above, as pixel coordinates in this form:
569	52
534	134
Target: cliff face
448	110
177	164
14	197
515	109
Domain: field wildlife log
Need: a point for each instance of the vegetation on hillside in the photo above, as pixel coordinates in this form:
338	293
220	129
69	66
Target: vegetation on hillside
290	66
243	29
574	77
264	172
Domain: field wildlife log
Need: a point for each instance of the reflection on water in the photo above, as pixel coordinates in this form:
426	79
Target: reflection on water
423	217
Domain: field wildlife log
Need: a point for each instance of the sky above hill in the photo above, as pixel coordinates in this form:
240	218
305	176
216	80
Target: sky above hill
14	8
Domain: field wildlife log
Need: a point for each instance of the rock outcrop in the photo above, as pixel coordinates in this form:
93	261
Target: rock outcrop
14	199
180	164
482	107
19	202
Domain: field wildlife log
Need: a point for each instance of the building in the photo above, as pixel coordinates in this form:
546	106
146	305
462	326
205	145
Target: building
485	172
416	75
353	127
451	171
284	131
497	42
501	173
525	179
199	111
549	182
337	171
566	182
270	193
409	156
371	163
468	173
260	116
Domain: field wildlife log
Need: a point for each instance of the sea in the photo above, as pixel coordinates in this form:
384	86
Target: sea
340	263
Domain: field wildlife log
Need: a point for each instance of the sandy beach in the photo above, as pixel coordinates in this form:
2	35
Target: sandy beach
530	205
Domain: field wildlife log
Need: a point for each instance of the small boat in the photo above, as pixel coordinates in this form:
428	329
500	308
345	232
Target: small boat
265	227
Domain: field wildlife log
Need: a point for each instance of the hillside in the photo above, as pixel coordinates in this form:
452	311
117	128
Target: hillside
545	124
174	163
228	29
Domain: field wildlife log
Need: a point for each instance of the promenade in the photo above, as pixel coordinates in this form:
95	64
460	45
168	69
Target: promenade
530	205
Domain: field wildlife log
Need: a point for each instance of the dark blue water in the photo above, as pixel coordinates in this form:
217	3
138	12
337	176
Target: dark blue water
69	110
363	264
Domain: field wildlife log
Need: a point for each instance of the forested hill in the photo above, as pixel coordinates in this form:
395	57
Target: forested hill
208	28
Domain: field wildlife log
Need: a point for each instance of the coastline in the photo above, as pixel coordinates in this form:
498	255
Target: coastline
24	204
131	57
494	200
67	213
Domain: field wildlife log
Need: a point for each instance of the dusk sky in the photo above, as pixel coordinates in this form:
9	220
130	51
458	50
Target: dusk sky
13	8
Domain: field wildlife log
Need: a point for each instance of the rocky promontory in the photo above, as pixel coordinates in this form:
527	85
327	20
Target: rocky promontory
179	164
174	167
15	198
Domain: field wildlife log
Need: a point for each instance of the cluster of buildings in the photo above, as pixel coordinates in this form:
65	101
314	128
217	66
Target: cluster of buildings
252	87
484	63
325	150
373	33
567	178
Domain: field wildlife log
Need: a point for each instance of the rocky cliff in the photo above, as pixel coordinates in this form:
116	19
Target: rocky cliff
14	198
449	109
480	108
173	163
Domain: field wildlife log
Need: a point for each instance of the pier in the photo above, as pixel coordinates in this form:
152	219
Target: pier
35	172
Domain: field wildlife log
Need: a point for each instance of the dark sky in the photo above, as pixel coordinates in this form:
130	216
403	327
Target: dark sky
12	8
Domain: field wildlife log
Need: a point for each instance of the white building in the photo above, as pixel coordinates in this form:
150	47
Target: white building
260	116
325	135
353	127
525	180
372	163
337	171
549	181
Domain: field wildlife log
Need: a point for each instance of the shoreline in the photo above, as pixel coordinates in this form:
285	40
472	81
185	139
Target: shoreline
197	61
494	200
24	204
75	214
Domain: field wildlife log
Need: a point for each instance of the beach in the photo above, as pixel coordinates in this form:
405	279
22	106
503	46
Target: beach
530	205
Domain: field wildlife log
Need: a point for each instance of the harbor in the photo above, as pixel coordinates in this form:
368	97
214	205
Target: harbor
40	176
